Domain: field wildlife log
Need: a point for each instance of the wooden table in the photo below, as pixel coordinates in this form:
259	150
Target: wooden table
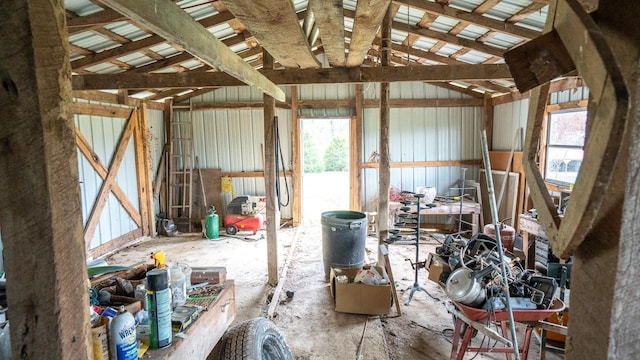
447	208
205	332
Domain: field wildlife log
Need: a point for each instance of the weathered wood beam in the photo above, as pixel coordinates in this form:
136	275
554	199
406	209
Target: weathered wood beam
40	215
296	163
275	25
172	23
473	18
460	89
430	73
485	6
355	155
330	21
366	22
143	172
94	21
394	103
525	12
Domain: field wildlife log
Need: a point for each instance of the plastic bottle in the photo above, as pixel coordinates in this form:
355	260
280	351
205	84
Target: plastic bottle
122	337
159	307
178	286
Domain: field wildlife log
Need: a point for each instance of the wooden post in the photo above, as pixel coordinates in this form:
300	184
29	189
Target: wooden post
384	173
41	216
144	172
295	152
355	154
270	178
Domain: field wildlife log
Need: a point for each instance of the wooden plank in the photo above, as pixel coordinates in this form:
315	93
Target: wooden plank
41	215
252	174
100	110
355	155
411	164
93	21
330	21
201	338
145	189
387	265
499	162
212	182
166	19
394	103
432	73
296	161
366	22
270	175
275	25
507	208
275	298
487	119
107	184
98	166
232	105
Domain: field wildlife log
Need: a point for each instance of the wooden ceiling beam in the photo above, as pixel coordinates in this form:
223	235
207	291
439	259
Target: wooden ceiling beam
462	90
485	6
469	17
525	12
275	25
330	21
366	22
294	76
428	55
172	23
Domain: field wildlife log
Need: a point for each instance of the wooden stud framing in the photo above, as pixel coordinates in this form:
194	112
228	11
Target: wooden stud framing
143	173
40	216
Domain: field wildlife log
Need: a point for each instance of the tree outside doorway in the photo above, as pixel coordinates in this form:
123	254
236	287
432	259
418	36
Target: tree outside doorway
325	167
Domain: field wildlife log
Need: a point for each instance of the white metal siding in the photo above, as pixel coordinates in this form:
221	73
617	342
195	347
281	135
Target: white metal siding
233	140
422	134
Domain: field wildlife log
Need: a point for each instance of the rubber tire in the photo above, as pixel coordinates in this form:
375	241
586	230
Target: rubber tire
254	339
231	230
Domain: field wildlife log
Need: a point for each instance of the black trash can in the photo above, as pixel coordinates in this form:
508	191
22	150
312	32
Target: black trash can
344	234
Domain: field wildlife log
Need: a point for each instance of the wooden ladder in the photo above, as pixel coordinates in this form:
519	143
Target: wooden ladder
181	167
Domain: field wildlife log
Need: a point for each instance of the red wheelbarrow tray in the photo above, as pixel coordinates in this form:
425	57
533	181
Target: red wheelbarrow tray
476	314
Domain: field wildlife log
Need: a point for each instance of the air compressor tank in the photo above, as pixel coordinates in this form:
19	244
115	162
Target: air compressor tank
507	234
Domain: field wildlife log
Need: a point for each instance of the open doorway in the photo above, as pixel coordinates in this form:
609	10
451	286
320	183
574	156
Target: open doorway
325	166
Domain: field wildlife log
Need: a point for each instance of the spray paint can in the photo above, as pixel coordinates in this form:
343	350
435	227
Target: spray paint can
122	336
159	308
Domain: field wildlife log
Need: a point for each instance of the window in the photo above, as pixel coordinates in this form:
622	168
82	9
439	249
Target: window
565	146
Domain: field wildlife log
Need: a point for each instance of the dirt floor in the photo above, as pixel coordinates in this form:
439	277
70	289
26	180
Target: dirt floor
311	326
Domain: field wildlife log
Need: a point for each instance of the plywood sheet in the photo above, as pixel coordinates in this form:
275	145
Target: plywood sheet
507	207
212	193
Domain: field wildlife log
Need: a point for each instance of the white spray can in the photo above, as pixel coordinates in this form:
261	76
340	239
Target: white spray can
122	337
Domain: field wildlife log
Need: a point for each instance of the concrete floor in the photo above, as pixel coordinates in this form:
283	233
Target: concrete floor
311	326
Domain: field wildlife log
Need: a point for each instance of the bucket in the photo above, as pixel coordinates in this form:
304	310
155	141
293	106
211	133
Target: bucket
344	234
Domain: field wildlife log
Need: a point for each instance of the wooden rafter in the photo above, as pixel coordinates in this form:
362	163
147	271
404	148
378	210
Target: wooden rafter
366	22
485	6
275	25
526	12
330	21
172	23
93	21
135	46
471	18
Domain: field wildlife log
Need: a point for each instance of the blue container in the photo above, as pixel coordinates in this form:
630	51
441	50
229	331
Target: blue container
344	235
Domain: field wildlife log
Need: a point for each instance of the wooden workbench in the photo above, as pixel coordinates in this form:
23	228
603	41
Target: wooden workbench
205	332
445	208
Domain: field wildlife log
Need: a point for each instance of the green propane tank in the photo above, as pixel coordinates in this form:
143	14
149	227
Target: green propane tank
211	224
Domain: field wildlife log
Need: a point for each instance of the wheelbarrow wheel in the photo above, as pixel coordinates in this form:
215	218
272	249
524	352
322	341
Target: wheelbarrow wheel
231	230
257	339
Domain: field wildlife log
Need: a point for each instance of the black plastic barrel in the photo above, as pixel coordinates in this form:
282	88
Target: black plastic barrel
344	234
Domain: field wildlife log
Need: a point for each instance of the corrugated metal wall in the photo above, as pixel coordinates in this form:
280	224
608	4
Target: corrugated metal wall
509	117
103	133
422	134
232	140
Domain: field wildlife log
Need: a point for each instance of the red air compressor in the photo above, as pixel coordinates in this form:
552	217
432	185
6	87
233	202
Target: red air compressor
242	215
507	234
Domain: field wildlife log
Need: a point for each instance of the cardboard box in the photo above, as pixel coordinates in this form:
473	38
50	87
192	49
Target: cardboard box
360	298
438	270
